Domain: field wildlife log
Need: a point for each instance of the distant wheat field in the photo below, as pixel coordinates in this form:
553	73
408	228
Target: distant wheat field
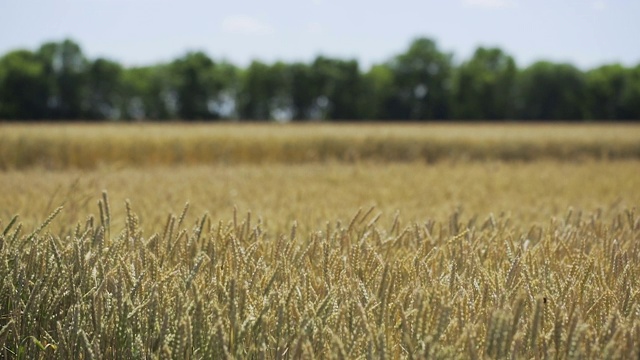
319	241
88	146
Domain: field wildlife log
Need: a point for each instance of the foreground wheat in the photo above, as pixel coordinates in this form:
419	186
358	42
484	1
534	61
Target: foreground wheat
471	289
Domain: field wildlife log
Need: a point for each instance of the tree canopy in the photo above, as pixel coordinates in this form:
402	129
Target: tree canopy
57	82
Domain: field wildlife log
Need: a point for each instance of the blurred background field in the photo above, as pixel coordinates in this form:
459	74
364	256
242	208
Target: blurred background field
90	146
318	173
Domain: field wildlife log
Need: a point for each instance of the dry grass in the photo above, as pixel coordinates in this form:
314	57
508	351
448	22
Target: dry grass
89	146
458	259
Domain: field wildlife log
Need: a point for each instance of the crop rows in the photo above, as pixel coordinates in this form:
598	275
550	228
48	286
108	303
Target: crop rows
462	288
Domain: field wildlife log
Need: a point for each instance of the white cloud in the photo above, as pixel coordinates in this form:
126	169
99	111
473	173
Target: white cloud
599	5
247	25
489	3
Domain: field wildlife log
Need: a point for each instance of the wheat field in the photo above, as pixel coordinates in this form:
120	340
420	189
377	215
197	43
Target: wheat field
511	242
89	146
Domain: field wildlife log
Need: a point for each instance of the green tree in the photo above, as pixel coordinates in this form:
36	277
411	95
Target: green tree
614	92
57	82
630	97
264	93
24	90
422	82
195	86
65	69
281	94
548	91
337	86
227	79
378	93
148	94
605	86
302	92
484	86
104	86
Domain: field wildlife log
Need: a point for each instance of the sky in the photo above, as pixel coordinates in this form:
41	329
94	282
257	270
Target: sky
586	33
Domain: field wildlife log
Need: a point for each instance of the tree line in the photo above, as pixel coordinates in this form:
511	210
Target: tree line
58	82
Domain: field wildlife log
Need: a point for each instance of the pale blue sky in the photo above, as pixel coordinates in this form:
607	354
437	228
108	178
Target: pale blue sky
586	33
